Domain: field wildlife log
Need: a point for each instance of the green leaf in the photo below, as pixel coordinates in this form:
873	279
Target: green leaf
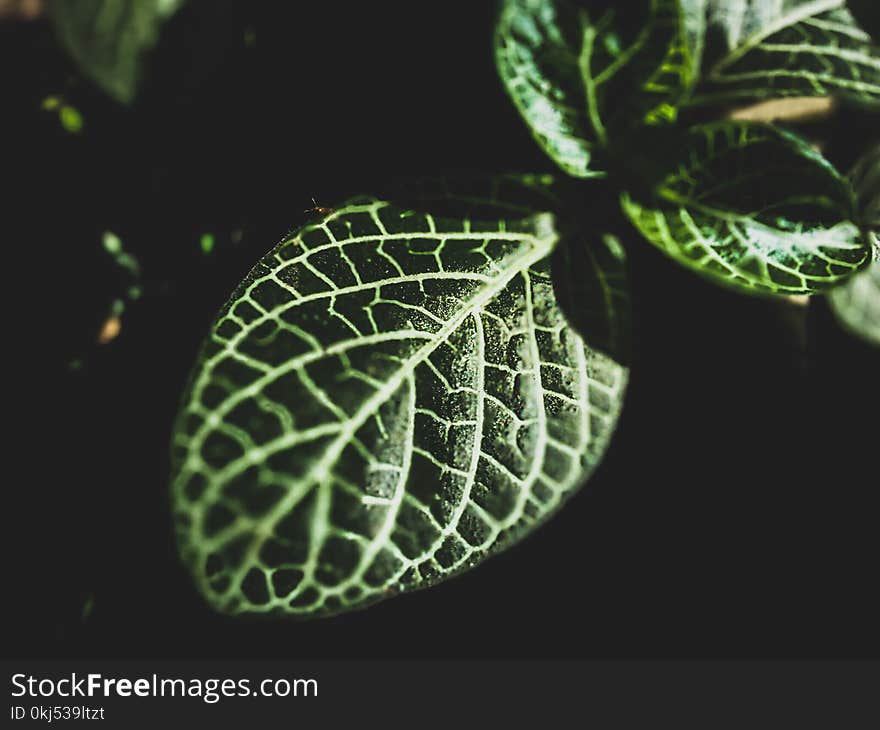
591	283
388	398
750	206
109	39
575	72
865	177
588	271
778	48
857	303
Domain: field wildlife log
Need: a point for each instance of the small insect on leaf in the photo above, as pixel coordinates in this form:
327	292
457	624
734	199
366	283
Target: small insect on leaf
318	210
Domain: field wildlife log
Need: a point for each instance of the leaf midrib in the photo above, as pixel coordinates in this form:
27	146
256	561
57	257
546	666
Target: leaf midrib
319	471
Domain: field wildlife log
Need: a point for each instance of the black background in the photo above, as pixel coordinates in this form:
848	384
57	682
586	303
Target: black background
735	514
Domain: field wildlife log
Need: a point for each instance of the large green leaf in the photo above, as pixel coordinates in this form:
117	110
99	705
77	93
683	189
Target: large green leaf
857	302
752	207
109	39
576	69
772	48
388	398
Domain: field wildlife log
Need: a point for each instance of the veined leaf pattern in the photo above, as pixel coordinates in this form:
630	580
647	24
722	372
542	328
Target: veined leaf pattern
537	47
752	207
756	49
572	69
388	398
588	269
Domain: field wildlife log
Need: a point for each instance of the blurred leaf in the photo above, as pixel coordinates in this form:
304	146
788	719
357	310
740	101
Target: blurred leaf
865	178
857	302
773	48
109	39
750	206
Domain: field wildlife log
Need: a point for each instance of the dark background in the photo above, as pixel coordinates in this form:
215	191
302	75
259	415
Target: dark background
735	514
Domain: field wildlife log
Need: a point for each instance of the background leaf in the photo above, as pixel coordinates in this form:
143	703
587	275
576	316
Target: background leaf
388	398
756	49
109	39
749	206
591	283
857	302
865	178
575	69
